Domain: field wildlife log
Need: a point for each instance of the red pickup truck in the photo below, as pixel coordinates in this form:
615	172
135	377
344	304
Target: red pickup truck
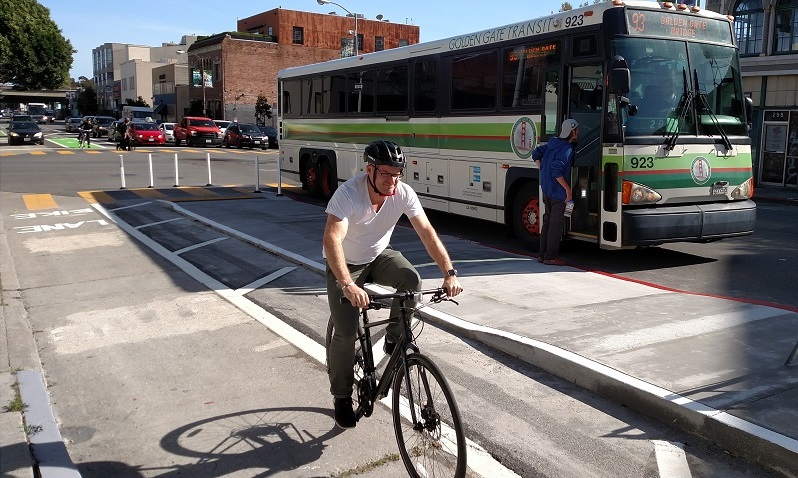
197	131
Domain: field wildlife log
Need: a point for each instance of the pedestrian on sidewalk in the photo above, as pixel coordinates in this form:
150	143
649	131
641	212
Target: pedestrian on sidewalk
361	217
554	159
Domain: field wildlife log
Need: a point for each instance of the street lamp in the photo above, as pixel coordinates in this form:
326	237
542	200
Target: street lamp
325	2
202	75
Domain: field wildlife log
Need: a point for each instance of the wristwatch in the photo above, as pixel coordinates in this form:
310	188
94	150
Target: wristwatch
451	272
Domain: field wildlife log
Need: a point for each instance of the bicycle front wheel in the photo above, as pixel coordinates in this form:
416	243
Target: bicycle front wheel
431	439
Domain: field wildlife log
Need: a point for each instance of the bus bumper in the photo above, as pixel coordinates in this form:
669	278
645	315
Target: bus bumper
693	223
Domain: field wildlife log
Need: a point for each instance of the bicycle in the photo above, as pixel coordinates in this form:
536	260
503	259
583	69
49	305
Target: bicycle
84	138
432	444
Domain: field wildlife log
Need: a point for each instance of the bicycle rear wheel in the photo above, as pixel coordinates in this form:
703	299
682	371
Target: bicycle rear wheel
431	440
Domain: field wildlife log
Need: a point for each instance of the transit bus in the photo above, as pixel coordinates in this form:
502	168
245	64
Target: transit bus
663	155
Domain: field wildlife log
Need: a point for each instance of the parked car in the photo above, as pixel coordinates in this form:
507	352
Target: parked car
271	132
245	134
21	117
100	125
72	124
146	133
168	131
197	130
21	132
222	124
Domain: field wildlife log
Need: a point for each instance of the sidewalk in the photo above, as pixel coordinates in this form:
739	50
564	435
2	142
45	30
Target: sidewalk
776	194
713	367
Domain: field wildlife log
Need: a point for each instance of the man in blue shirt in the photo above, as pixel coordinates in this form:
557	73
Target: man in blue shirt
554	160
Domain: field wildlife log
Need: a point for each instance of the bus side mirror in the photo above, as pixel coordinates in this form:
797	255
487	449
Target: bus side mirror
749	108
620	77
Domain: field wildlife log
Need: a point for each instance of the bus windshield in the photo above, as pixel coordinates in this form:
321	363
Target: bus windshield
664	73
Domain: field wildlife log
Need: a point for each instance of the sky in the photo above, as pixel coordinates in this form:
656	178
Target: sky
163	21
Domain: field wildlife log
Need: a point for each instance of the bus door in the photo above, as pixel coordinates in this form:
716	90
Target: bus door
585	104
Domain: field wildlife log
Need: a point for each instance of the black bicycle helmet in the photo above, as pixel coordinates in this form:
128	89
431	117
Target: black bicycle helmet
385	153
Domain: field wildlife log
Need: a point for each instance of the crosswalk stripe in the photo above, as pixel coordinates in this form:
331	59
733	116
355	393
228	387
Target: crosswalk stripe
35	202
195	191
149	193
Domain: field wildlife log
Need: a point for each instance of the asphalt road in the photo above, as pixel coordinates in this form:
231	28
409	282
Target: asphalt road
535	423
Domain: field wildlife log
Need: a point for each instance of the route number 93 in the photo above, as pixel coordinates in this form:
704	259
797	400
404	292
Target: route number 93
642	162
574	21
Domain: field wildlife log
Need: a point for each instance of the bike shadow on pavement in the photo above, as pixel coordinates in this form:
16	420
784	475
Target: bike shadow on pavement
264	441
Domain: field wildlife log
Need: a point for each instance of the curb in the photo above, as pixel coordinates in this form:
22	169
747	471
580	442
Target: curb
46	444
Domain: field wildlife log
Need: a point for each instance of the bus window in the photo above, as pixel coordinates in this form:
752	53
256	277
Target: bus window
361	91
291	89
392	89
312	96
521	78
549	120
336	100
425	86
474	81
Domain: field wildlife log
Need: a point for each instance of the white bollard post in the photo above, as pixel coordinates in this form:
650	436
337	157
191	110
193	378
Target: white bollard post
257	175
152	179
122	170
210	183
279	174
177	181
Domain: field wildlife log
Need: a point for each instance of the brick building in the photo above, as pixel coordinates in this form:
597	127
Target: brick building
242	65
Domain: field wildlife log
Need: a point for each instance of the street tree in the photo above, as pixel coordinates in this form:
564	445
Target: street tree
137	102
33	52
263	110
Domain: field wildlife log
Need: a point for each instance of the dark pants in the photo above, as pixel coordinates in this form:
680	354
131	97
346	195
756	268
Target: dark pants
389	269
551	232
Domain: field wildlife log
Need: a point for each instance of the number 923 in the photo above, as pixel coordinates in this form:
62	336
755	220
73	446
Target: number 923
642	162
574	21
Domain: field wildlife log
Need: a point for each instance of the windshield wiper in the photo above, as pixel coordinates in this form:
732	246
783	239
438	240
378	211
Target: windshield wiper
682	110
705	105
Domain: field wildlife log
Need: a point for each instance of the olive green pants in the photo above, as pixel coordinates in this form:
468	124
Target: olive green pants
389	269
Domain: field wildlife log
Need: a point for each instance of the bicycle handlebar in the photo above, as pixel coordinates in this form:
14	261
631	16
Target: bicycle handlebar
438	295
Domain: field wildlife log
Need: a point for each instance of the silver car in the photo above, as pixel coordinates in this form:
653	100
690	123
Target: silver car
73	124
168	131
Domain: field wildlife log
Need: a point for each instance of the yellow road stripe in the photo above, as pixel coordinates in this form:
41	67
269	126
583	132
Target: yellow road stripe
35	202
38	152
93	152
95	197
195	191
149	193
61	151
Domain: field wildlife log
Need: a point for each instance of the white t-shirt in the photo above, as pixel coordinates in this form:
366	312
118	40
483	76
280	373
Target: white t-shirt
369	233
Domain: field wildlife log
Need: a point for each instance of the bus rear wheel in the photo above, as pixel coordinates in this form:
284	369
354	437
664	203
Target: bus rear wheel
327	180
526	216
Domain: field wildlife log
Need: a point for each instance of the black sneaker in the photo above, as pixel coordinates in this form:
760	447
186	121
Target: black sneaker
388	347
344	414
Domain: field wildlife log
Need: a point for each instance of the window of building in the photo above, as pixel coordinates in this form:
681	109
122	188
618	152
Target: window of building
786	28
124	84
359	42
299	36
379	43
402	42
271	30
749	18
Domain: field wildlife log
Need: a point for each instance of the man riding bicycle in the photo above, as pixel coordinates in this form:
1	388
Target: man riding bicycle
361	217
85	132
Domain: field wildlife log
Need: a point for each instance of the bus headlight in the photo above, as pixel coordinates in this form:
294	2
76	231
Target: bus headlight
634	194
745	190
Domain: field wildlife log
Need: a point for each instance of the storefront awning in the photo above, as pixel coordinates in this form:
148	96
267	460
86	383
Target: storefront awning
161	109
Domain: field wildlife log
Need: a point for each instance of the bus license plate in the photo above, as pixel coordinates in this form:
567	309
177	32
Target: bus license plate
719	189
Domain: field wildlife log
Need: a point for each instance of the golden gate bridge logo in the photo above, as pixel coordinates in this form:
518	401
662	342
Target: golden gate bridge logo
524	137
700	170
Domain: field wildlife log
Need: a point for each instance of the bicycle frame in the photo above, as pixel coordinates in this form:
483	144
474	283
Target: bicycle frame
379	390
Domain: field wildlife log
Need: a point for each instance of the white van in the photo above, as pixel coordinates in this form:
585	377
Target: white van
138	113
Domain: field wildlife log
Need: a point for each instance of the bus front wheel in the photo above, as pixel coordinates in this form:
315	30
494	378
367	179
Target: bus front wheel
526	216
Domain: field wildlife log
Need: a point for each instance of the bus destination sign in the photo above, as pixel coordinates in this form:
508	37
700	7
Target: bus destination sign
678	26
